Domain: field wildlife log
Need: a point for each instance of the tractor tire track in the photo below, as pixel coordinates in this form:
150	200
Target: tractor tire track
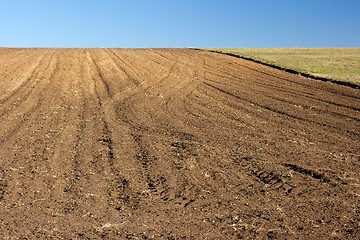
31	107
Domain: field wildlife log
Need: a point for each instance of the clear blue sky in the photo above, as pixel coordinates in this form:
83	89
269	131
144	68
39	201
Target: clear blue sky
180	23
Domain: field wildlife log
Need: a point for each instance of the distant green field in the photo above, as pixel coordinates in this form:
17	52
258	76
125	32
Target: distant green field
336	63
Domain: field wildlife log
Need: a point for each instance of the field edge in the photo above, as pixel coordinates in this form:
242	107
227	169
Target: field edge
285	69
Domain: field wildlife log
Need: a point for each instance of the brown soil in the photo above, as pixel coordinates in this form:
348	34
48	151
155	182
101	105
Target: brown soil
173	144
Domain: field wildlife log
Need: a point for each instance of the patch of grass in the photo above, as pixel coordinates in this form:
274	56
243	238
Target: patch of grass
335	63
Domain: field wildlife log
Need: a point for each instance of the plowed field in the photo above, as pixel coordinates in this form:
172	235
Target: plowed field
173	144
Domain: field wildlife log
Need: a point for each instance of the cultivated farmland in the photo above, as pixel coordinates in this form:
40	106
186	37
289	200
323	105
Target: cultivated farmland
173	144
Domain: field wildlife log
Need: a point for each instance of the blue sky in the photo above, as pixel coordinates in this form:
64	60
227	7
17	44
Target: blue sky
180	23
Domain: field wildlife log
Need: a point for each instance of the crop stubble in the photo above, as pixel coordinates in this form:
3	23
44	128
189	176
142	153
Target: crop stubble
173	143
